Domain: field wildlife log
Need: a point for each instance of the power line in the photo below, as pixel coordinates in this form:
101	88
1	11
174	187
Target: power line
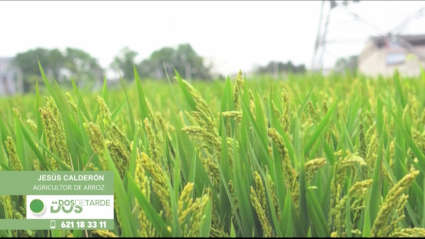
403	26
321	41
355	15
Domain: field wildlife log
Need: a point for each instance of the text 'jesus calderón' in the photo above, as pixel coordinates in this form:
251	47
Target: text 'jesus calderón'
71	178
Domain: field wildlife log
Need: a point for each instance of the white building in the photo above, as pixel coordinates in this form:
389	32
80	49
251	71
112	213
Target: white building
8	77
382	55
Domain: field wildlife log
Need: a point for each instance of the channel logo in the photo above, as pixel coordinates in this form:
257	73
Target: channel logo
67	206
37	206
70	207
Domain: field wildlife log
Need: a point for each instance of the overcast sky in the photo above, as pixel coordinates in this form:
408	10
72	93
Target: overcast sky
238	35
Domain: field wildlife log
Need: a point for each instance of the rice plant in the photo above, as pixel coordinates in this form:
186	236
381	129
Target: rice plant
310	156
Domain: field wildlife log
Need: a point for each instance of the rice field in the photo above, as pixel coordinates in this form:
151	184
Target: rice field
309	156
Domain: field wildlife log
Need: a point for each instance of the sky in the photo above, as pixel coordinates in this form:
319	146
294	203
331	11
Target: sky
236	35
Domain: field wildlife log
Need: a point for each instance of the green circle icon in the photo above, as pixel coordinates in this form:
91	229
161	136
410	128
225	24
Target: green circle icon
36	206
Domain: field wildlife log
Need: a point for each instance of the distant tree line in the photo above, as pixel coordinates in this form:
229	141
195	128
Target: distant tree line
274	67
86	71
349	64
72	62
183	58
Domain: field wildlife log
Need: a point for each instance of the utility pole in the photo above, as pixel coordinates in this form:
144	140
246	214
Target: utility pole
319	48
322	31
316	44
323	41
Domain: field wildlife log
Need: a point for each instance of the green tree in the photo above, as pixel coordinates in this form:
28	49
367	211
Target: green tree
274	67
79	64
51	60
82	66
55	62
349	64
124	63
153	67
184	59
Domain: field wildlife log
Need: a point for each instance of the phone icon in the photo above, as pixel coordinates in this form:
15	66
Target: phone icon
52	224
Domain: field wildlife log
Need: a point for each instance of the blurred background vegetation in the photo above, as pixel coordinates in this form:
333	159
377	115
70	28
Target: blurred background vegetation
87	72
